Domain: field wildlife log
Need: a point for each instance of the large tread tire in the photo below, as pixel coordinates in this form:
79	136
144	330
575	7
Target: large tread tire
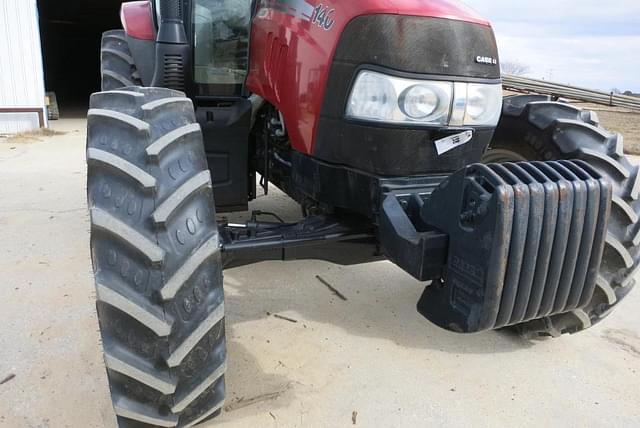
118	69
533	127
156	258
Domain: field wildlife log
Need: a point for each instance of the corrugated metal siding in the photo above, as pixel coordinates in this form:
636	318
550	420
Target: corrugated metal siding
21	69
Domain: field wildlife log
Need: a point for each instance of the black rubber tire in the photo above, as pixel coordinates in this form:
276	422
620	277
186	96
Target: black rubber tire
117	67
533	127
156	258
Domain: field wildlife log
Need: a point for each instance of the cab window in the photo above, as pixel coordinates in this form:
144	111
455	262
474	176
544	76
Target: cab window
221	45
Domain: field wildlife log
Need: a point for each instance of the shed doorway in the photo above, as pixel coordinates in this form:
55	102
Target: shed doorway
71	31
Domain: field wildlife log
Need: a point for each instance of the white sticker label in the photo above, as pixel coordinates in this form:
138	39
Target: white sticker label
451	142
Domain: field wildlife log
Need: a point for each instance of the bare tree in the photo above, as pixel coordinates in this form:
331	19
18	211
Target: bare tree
514	68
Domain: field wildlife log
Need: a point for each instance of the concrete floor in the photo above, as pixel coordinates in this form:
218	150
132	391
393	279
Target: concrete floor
371	359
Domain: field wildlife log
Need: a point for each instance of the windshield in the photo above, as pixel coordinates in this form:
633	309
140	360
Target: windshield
221	40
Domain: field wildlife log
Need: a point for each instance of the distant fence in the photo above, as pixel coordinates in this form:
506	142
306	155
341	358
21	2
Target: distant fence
524	84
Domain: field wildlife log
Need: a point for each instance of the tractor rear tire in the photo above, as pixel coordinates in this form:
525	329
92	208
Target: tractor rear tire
156	258
534	127
118	69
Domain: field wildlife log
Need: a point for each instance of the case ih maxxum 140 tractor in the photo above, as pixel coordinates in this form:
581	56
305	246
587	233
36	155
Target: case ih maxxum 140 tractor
385	120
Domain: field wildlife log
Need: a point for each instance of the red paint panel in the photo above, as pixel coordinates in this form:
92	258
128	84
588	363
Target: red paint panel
449	9
291	56
137	20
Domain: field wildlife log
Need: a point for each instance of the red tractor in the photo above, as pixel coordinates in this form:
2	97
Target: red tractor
385	120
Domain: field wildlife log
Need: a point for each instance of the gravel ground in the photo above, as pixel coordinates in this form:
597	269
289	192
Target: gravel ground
370	361
626	122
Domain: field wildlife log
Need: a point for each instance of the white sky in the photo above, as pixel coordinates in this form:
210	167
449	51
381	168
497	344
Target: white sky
591	43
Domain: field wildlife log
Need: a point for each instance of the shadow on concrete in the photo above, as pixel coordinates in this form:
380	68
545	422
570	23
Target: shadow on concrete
248	385
376	308
381	298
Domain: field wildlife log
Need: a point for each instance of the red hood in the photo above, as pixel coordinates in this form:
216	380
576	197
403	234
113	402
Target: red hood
449	9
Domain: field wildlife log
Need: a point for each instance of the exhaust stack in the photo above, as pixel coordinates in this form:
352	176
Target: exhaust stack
173	52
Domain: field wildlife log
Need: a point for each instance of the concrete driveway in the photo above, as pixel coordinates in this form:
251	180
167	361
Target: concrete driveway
369	361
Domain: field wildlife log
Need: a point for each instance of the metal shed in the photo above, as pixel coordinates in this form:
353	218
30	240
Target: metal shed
22	91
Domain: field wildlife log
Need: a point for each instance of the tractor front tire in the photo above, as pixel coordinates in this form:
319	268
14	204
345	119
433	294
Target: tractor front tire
156	258
117	67
533	127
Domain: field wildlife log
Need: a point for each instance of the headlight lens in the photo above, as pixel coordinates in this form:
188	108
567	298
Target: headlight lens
484	104
425	102
375	98
382	98
419	101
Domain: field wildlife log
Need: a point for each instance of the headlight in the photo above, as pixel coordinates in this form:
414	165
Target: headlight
375	99
484	104
426	102
382	98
